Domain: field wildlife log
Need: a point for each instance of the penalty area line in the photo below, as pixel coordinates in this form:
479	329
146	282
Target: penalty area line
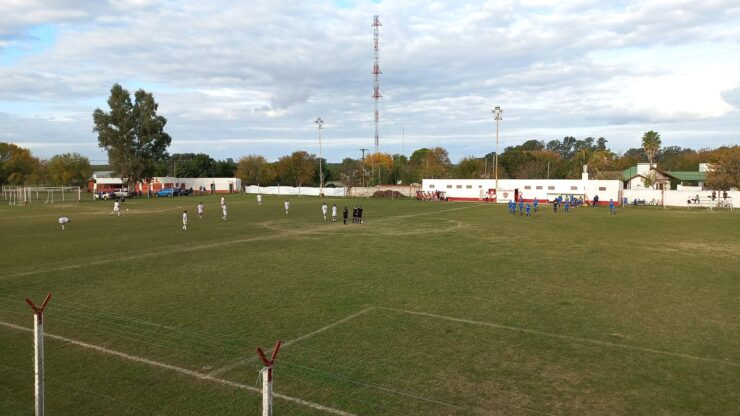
180	370
564	337
239	363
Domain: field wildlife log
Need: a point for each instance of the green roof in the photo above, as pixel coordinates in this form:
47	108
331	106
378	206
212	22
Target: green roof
629	173
689	176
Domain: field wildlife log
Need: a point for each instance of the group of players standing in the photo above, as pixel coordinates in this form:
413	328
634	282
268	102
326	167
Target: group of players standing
556	203
356	213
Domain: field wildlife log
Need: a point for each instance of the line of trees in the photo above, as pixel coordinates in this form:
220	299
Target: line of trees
132	133
532	159
19	167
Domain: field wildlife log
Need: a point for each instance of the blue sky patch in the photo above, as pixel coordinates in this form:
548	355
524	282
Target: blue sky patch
34	41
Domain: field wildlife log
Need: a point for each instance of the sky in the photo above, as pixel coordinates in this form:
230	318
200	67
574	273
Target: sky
250	77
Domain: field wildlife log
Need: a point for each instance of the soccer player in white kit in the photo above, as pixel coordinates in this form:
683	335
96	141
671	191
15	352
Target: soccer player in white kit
223	201
223	208
259	199
287	206
200	210
185	220
334	213
116	208
63	220
323	210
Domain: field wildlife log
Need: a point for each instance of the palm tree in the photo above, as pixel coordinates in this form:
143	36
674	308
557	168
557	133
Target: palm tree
651	145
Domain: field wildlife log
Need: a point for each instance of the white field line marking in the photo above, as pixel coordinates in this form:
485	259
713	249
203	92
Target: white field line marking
178	249
174	250
288	343
565	337
195	374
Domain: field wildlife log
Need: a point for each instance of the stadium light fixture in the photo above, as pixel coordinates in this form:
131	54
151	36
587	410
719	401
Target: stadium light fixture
497	111
320	124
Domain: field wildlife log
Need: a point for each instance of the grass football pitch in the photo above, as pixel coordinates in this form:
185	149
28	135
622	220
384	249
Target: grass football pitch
425	309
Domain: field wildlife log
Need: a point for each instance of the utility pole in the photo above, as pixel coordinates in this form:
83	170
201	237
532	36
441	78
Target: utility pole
267	379
320	124
363	166
38	349
497	116
376	78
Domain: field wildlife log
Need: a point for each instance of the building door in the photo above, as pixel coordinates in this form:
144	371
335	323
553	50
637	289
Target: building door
492	195
516	195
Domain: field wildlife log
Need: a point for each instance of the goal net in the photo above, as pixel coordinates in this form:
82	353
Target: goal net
47	194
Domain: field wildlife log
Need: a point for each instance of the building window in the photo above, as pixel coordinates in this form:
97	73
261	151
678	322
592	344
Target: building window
551	187
602	188
459	187
449	186
527	187
539	187
573	188
469	186
431	186
480	186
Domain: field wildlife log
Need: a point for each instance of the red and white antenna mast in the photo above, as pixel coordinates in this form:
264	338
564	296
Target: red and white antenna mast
376	79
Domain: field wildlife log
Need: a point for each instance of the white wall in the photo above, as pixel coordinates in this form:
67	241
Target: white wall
222	184
680	198
646	194
542	189
291	190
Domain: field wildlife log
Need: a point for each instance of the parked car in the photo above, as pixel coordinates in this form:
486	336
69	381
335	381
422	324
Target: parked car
168	192
121	193
105	195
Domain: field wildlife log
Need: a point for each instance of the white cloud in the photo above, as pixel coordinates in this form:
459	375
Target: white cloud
252	77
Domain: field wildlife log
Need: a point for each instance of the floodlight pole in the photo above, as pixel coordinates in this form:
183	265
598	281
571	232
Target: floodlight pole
267	378
38	349
363	166
320	124
497	116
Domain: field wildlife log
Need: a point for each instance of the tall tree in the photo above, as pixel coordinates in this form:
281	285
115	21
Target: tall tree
351	172
16	164
186	165
470	168
651	144
69	169
297	168
400	171
378	166
436	163
40	175
224	168
601	144
132	134
554	146
677	158
254	170
725	173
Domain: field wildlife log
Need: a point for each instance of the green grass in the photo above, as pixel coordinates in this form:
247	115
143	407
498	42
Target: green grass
453	308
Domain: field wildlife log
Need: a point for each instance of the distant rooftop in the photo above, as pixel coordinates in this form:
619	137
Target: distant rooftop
631	172
689	176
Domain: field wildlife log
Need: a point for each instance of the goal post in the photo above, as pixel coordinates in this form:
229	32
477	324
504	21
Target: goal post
53	194
15	195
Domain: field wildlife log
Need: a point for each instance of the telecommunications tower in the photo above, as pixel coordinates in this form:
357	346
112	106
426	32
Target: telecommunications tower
376	79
